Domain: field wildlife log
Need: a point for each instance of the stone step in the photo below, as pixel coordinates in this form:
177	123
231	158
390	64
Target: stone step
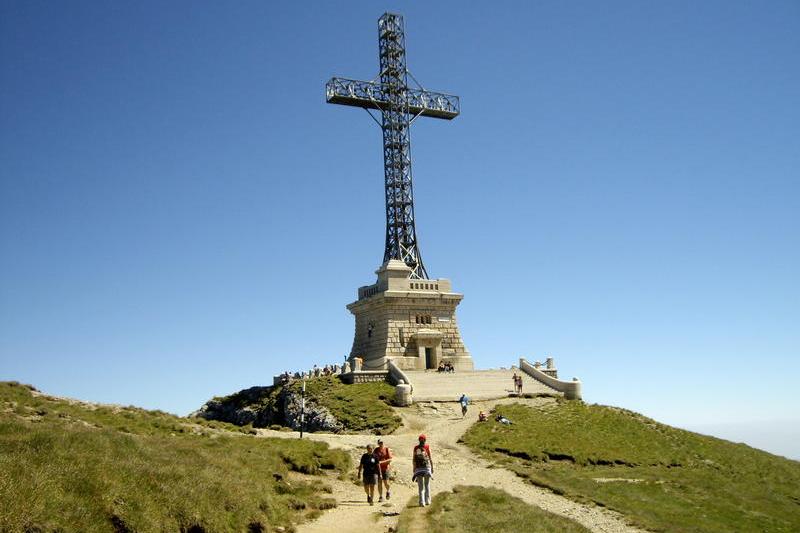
430	385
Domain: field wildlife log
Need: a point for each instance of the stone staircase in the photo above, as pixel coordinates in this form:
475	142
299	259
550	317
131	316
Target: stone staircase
430	385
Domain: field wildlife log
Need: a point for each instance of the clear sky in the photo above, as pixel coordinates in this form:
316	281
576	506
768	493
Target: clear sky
182	215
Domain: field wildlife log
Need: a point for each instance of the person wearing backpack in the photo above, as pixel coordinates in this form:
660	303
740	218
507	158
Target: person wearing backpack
423	470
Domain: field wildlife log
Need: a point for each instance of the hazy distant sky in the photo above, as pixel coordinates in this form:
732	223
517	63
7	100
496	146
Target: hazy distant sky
182	215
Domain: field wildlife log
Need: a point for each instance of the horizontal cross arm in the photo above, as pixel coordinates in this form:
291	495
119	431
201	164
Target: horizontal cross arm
373	95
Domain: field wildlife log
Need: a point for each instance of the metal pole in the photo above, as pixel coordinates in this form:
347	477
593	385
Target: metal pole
303	409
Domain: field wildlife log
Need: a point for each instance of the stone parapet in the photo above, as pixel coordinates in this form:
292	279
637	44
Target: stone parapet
571	389
364	376
396	374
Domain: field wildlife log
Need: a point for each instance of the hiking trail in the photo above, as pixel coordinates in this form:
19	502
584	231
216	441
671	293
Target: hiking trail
454	464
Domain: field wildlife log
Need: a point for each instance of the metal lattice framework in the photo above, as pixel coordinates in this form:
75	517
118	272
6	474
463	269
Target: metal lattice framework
399	105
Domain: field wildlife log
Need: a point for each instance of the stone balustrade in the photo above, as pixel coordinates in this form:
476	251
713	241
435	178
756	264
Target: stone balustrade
403	284
364	376
571	389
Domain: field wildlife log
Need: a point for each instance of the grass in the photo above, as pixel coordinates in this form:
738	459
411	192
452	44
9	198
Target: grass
361	407
67	466
661	478
480	510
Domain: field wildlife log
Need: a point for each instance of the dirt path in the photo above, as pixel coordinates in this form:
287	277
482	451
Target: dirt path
454	464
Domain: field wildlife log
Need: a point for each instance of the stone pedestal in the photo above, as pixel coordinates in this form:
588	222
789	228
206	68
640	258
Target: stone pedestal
411	321
402	394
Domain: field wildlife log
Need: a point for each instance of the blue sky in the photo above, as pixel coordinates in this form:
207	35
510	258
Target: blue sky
182	215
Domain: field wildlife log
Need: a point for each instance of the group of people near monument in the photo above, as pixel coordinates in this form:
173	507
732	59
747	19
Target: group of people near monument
374	469
445	366
316	372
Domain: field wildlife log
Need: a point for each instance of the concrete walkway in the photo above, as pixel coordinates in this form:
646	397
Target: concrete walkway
430	385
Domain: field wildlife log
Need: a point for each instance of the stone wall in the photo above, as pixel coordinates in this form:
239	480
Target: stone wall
388	325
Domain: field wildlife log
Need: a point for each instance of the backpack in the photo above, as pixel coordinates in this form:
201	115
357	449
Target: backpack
421	459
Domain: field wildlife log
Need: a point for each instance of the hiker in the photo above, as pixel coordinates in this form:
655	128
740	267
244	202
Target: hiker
464	401
384	456
503	420
369	466
519	385
441	367
423	470
482	417
515	382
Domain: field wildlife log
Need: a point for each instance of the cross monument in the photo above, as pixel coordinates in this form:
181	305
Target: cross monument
399	105
405	316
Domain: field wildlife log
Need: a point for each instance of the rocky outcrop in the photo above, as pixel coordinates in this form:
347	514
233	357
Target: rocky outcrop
248	406
265	406
317	417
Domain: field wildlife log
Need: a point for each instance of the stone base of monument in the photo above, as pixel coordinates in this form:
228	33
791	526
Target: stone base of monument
410	321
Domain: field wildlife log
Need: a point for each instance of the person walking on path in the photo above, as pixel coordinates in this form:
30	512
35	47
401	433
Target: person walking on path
516	389
369	467
423	470
384	456
464	401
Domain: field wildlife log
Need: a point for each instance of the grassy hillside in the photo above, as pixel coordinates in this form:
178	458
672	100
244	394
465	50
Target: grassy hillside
359	407
483	510
661	478
69	466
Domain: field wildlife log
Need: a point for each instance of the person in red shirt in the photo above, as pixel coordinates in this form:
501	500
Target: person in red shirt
423	470
384	456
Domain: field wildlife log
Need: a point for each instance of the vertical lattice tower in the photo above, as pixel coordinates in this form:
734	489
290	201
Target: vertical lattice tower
401	235
400	105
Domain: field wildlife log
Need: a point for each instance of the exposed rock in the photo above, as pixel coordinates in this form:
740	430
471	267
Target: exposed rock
317	417
265	406
245	407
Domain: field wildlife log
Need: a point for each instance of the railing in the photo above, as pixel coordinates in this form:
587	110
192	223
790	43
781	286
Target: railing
423	286
366	292
376	96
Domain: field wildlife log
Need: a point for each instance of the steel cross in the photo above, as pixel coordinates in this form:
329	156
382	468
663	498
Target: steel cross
399	105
